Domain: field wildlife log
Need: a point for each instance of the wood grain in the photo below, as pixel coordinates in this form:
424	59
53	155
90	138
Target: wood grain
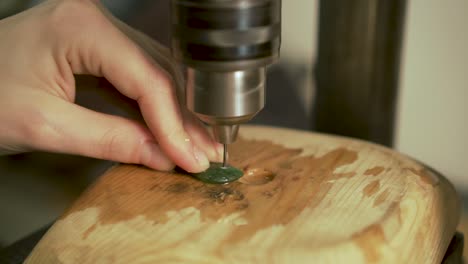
304	198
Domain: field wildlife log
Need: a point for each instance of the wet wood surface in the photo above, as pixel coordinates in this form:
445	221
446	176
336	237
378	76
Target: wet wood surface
304	198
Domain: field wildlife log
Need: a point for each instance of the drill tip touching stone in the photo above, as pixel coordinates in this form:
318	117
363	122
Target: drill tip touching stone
219	173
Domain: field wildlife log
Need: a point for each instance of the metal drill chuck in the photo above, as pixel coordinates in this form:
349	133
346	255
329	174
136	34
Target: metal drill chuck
226	99
226	46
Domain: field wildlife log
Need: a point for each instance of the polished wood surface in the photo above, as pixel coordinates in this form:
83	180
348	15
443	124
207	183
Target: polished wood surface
304	198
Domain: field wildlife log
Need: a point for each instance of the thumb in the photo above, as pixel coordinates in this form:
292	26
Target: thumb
60	126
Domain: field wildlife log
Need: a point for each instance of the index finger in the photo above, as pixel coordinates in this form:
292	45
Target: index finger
106	51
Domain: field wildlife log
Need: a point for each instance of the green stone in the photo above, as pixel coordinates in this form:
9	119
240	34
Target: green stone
216	173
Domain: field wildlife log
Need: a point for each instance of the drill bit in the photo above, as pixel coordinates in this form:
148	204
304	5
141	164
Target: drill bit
225	156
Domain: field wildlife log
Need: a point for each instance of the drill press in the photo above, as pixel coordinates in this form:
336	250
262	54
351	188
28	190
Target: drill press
226	46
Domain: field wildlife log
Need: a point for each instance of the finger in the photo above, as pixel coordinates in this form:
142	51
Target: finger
60	126
171	134
157	51
202	138
161	54
108	52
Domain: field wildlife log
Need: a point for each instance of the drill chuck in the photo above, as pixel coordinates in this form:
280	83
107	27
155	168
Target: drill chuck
226	46
226	99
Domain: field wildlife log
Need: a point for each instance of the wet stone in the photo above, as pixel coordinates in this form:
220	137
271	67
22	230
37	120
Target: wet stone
218	174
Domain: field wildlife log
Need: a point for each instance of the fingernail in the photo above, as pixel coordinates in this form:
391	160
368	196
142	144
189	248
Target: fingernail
200	157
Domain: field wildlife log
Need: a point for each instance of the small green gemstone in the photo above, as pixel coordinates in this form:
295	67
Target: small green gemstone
216	173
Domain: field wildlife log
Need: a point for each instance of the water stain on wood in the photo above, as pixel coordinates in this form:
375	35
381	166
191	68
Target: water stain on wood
426	176
371	188
369	240
222	194
271	193
381	198
344	175
178	187
374	171
89	231
267	197
257	176
285	165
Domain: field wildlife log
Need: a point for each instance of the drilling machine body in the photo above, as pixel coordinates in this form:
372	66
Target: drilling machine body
226	46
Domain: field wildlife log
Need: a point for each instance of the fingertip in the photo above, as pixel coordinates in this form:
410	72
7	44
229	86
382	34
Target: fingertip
184	151
213	151
201	136
202	162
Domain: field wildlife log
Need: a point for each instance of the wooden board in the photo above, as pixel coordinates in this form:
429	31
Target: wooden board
304	198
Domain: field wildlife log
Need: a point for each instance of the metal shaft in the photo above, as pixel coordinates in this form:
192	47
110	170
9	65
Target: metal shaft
225	154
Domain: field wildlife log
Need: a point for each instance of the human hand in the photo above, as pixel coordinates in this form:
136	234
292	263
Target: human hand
40	51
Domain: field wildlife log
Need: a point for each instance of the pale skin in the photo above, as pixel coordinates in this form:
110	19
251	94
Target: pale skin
43	48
